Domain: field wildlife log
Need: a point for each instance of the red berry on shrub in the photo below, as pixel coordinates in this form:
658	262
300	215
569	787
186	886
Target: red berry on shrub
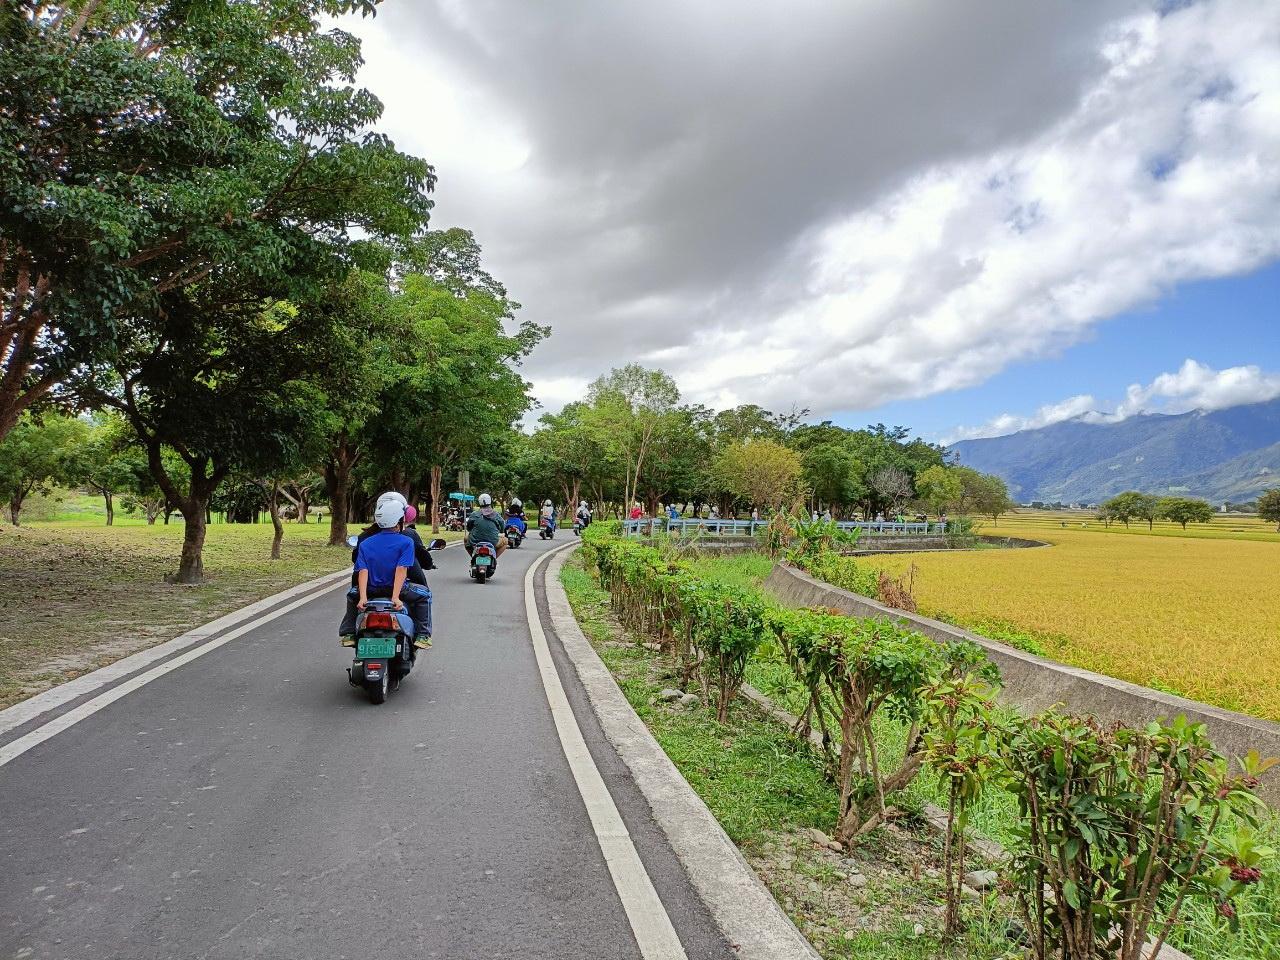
1246	874
1227	910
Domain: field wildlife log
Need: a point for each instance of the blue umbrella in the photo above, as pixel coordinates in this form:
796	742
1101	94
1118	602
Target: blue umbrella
464	497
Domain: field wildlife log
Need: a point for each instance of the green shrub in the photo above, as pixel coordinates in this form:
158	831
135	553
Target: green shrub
1119	827
854	669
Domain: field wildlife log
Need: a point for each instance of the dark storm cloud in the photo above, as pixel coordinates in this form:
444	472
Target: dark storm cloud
679	160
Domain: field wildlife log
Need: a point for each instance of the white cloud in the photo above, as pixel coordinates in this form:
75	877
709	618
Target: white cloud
1194	386
1077	406
838	205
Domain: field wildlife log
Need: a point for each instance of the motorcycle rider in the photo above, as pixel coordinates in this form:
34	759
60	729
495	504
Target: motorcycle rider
485	526
382	564
547	517
584	514
515	508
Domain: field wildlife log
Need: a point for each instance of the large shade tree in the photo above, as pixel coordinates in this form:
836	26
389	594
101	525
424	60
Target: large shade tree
152	145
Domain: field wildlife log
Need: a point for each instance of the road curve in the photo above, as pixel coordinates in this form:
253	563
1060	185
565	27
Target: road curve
252	803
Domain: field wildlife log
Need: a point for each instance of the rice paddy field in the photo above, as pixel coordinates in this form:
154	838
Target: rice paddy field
1194	613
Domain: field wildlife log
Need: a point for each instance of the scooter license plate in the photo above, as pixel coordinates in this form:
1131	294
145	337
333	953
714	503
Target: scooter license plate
482	561
375	648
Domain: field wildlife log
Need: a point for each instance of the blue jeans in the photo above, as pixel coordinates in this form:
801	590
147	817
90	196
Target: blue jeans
415	597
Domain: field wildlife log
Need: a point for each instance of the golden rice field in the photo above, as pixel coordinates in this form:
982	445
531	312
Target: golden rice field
1197	615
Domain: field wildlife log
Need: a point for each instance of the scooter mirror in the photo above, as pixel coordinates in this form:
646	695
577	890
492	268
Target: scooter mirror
353	541
437	544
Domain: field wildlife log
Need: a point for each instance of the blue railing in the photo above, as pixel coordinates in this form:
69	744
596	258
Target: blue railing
748	528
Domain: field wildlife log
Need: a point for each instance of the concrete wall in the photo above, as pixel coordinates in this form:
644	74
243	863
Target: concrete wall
1034	683
869	546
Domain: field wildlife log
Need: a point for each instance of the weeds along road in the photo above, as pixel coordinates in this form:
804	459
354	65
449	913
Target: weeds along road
252	803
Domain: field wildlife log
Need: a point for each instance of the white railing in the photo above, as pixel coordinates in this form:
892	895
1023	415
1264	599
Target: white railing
647	526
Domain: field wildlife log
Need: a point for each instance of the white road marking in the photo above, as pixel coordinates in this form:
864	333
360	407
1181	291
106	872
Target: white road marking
39	735
655	936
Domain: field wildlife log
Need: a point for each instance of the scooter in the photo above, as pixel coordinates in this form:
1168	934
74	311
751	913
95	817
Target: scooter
516	531
484	562
384	649
547	529
384	644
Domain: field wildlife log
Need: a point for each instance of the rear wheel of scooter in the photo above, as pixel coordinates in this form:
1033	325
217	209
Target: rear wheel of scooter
378	691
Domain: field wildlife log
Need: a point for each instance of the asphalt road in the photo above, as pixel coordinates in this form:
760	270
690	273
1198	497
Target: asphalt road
253	804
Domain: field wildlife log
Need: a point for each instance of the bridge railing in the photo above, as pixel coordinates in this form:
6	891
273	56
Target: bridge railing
683	526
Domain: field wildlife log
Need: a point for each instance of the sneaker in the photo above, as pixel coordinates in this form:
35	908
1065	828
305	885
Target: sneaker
347	641
422	643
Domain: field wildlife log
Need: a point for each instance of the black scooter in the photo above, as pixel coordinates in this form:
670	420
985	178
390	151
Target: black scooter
384	644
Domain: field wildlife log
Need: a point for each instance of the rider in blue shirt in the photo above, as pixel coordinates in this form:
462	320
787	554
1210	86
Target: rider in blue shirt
382	563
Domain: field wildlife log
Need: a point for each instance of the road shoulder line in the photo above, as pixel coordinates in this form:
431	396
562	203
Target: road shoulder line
655	935
33	707
741	905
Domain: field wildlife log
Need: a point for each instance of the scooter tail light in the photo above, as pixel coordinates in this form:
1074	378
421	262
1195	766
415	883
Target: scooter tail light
379	621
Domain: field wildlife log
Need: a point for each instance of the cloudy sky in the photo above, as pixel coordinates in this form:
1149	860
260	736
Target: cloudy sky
964	217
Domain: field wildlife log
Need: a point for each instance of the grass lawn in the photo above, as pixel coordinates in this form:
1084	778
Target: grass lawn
77	595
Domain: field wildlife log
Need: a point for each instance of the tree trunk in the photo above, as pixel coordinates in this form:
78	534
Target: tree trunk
435	498
273	505
337	480
109	500
15	507
191	565
304	504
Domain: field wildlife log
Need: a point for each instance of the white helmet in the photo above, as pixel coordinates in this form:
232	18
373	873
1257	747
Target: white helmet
546	503
485	500
388	513
515	502
393	495
583	503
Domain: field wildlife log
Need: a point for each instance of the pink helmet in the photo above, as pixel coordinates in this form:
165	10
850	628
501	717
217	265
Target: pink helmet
410	514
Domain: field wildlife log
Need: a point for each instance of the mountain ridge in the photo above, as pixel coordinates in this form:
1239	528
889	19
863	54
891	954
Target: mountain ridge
1228	454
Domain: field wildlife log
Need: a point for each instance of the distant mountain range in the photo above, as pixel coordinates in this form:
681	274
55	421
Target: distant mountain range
1222	455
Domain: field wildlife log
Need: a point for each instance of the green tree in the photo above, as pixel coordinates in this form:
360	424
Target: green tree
988	496
763	473
238	158
455	381
104	460
238	393
34	454
939	487
748	422
1132	505
566	453
1269	506
682	448
834	474
1184	510
629	403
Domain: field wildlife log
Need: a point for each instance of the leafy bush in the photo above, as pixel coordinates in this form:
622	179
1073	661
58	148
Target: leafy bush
961	743
710	628
853	669
843	572
1119	826
810	538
